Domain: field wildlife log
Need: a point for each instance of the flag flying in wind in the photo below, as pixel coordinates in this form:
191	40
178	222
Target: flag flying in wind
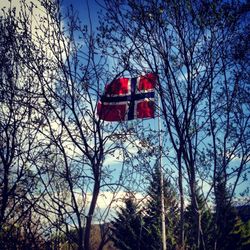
128	99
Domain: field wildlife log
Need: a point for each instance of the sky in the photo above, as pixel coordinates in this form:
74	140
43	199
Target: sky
82	6
88	14
91	17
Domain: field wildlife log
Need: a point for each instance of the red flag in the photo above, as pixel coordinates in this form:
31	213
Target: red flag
128	99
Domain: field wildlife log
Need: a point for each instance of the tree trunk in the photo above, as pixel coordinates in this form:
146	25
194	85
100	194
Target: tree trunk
182	246
90	214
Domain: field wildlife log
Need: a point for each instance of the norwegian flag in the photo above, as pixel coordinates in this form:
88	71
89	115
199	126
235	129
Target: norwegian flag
128	99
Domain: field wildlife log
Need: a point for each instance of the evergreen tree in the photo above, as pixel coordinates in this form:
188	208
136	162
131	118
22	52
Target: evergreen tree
240	235
134	230
224	213
231	232
206	223
152	229
127	227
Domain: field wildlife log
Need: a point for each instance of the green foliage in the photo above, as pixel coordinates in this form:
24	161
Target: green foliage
231	232
127	227
236	233
135	230
239	237
206	223
153	213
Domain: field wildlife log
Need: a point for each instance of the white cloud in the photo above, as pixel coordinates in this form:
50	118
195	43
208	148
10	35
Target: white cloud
42	26
114	200
130	147
37	10
107	205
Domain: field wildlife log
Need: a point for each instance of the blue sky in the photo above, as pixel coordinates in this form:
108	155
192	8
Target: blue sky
81	6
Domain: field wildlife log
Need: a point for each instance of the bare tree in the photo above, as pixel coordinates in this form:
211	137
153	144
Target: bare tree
70	72
18	130
188	45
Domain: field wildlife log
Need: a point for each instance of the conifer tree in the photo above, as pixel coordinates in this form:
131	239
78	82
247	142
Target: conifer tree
206	223
240	235
142	230
127	227
152	228
225	214
230	230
